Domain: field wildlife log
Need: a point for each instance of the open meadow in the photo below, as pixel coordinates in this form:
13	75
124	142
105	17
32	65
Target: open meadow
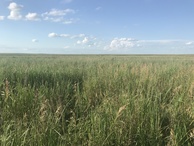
96	100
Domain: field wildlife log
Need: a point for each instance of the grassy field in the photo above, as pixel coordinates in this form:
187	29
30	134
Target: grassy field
96	100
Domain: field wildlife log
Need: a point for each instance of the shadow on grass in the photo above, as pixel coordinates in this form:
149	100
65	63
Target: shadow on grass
59	89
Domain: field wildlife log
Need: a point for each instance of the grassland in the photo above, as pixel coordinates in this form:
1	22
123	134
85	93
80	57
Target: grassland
56	100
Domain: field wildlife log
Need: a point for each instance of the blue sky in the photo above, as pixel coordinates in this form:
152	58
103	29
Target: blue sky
97	26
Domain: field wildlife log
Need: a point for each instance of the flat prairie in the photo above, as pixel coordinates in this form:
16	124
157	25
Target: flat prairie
124	100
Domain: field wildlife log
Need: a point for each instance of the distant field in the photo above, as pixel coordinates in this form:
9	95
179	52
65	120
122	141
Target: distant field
96	100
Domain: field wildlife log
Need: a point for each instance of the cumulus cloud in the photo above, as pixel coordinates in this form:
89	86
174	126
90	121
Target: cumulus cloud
34	40
81	39
54	15
2	18
32	17
53	35
88	42
84	41
15	13
121	43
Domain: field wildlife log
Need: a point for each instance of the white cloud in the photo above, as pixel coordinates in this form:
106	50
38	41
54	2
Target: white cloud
32	17
14	6
189	43
78	36
52	35
80	39
88	42
56	15
56	12
15	13
34	40
79	42
121	43
2	18
54	19
84	41
60	19
64	35
67	22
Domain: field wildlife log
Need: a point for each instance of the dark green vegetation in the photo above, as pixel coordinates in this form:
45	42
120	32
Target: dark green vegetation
50	100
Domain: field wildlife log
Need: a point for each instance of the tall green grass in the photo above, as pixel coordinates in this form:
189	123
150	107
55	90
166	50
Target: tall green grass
96	100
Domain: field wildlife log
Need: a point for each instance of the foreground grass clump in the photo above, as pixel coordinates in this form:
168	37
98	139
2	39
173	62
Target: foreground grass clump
96	100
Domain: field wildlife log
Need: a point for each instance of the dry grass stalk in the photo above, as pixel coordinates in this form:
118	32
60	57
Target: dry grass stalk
43	110
6	89
172	139
191	89
122	108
